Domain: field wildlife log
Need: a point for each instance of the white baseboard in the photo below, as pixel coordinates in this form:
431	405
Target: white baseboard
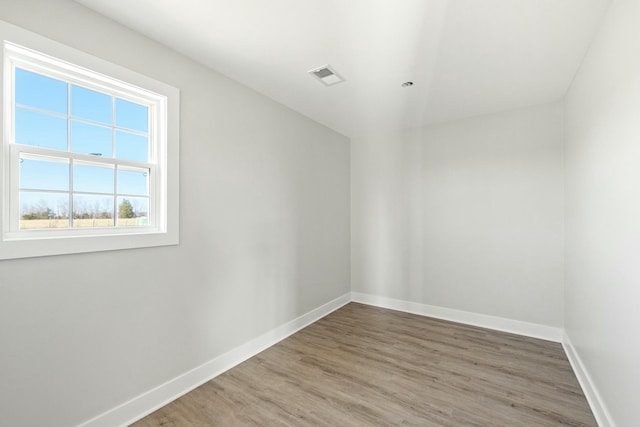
146	403
588	387
156	398
533	330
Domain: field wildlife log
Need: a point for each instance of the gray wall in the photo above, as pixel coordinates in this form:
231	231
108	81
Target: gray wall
602	314
467	215
264	238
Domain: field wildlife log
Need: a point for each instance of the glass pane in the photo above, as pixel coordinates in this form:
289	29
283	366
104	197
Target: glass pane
93	179
90	139
91	105
133	182
35	90
38	174
132	116
40	130
133	211
92	211
44	210
130	146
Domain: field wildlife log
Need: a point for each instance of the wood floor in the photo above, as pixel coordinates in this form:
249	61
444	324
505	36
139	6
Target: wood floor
366	366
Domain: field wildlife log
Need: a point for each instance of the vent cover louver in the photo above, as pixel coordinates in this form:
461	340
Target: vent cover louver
326	75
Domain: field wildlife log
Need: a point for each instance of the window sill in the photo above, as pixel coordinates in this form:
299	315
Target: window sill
27	248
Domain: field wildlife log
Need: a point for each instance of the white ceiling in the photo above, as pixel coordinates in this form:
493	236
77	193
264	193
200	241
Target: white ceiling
466	57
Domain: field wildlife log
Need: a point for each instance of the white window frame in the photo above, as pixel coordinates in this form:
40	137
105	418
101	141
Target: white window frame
55	60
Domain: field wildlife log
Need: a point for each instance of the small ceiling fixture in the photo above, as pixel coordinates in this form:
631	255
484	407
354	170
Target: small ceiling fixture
326	75
407	84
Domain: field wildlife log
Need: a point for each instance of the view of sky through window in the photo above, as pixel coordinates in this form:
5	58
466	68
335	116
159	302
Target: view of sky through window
58	192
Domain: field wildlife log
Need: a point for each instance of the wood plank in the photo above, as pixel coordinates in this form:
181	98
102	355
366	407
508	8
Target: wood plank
363	365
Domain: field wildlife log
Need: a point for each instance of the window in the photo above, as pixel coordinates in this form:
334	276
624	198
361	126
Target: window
85	156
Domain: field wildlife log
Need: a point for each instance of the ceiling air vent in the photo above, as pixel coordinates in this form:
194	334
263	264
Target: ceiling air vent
326	75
